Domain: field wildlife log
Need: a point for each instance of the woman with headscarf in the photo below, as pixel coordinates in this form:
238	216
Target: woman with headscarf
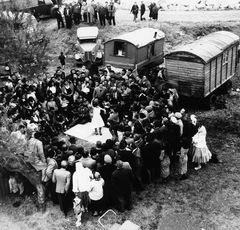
201	153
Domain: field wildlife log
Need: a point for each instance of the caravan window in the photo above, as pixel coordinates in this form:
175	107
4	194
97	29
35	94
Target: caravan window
120	49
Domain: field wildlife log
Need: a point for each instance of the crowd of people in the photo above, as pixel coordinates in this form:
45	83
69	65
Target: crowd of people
159	138
93	12
86	12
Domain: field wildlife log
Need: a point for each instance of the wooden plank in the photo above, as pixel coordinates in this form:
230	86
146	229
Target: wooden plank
213	71
210	76
231	61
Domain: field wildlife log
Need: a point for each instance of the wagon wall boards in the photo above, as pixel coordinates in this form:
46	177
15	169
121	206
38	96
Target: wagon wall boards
200	67
186	76
148	54
220	69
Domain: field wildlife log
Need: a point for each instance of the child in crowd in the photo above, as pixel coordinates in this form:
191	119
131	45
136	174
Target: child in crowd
183	159
165	166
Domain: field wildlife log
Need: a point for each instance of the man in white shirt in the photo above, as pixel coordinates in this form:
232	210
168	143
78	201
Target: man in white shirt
96	194
82	183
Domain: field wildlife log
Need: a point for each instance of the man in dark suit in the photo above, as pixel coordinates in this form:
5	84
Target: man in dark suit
122	180
59	19
68	16
62	179
142	10
102	13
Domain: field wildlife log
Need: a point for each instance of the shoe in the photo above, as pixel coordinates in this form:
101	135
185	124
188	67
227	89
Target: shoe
197	168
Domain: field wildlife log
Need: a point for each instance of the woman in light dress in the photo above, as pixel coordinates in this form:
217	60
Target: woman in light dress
97	121
201	153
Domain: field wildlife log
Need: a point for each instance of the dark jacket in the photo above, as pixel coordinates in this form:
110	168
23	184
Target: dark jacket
122	181
143	8
135	9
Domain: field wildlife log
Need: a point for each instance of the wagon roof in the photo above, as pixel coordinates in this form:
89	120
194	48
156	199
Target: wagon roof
140	37
88	32
209	46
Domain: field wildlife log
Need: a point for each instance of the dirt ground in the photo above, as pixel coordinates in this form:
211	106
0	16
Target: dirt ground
210	198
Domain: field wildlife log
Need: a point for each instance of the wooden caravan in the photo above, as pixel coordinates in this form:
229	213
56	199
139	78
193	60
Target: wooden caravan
135	49
199	68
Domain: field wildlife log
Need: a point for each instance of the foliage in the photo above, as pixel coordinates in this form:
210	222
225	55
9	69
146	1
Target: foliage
23	44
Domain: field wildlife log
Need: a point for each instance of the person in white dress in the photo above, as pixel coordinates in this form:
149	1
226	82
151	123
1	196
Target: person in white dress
97	121
201	153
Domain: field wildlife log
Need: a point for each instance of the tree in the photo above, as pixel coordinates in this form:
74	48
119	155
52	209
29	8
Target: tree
22	43
23	46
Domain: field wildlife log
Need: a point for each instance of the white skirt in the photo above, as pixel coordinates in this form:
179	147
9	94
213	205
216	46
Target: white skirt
201	155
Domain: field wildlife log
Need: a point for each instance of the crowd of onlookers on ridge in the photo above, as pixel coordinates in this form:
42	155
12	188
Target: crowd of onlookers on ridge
93	12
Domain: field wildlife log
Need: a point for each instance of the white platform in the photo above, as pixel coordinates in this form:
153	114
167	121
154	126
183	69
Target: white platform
86	132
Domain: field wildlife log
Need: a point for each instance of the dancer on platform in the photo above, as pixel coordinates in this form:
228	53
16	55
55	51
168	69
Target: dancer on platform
97	121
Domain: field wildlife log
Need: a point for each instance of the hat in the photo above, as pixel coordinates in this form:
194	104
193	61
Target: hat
178	115
107	159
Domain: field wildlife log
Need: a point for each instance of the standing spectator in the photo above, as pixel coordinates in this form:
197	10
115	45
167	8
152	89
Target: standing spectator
113	121
122	180
183	159
165	166
106	171
82	184
59	18
142	9
35	152
77	13
91	13
47	174
111	13
96	194
62	179
150	10
87	161
62	59
84	12
102	11
134	11
68	16
155	12
107	13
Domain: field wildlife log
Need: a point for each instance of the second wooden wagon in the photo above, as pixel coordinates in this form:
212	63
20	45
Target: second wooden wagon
199	68
135	49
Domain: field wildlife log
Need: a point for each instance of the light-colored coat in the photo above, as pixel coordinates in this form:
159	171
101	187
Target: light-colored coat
62	178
